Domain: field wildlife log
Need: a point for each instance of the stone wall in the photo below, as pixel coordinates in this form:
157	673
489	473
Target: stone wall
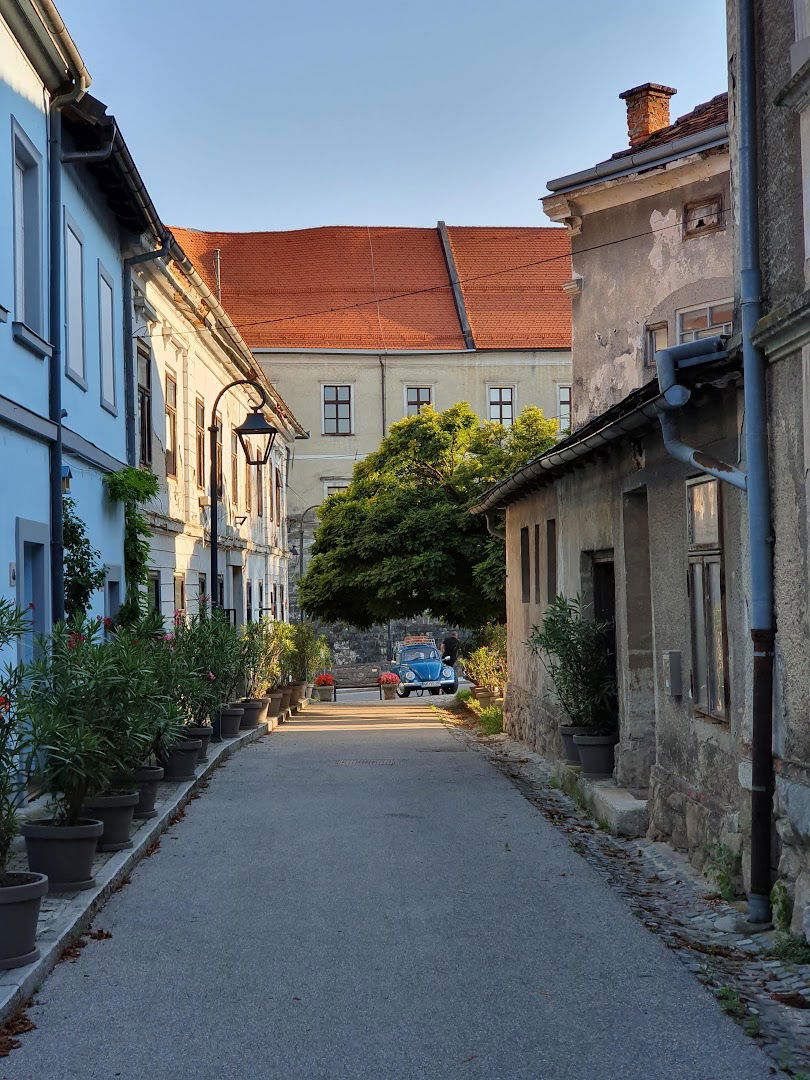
364	653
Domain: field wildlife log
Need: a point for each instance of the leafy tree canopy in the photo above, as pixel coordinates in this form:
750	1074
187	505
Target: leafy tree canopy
400	541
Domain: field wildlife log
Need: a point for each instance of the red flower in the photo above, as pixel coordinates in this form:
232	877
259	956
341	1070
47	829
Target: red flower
31	606
4	704
107	623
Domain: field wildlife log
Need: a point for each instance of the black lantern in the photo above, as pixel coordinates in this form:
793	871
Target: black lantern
256	437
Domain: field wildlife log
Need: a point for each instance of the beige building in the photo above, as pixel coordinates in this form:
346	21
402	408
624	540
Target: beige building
360	327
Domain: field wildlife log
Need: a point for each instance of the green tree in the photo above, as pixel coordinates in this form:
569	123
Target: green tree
400	540
84	572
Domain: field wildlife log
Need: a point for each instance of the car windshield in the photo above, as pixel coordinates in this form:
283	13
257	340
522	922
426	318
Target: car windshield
418	652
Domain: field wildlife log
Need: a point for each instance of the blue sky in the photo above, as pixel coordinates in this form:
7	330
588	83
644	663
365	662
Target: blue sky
286	114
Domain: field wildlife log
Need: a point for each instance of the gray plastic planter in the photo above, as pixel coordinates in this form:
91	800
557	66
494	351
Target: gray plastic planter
568	731
253	708
203	733
596	752
182	760
147	779
64	853
115	812
19	911
229	720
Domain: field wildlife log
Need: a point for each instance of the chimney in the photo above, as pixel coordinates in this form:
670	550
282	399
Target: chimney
647	110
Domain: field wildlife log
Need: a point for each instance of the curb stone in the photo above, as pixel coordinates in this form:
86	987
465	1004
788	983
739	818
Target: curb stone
74	912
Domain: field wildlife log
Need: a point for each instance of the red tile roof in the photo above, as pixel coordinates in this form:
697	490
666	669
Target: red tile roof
318	288
708	115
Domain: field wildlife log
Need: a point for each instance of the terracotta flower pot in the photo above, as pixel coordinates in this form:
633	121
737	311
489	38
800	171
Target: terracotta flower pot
115	813
64	853
147	779
203	733
250	716
20	898
596	752
230	718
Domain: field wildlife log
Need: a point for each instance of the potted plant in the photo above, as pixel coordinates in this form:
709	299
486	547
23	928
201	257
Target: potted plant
574	652
253	660
325	687
60	697
389	681
309	652
207	648
486	666
20	893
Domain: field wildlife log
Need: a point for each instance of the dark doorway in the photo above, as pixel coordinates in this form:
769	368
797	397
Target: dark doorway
604	600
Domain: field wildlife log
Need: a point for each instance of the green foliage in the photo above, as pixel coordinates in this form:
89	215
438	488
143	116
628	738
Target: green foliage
723	870
731	1003
400	540
284	643
310	652
490	719
209	653
782	906
262	648
464	696
133	487
486	667
790	949
84	573
14	736
491	634
573	651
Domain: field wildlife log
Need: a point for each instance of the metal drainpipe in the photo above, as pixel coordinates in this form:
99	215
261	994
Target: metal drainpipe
382	395
129	343
760	537
55	411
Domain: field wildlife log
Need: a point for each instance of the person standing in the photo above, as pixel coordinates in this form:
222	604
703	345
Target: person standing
450	649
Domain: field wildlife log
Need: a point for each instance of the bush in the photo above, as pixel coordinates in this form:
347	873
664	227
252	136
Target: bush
486	666
465	696
309	652
14	735
573	651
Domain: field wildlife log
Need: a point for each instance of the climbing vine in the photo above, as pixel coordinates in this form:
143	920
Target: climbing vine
84	572
133	487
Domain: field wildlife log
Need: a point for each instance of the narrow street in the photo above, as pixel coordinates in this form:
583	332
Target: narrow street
360	895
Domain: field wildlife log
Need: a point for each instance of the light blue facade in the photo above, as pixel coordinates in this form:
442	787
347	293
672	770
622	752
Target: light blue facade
93	396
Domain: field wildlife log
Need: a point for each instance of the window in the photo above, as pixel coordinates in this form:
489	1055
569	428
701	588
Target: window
219	456
278	496
705	321
657	337
106	338
112	598
250	601
502	405
202	590
27	232
337	410
415	398
171	426
525	566
538	599
153	590
179	593
706	598
248	482
145	405
551	560
564	409
74	302
259	490
703	216
332	487
235	470
199	440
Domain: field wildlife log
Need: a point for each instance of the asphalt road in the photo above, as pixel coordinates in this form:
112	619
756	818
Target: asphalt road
359	896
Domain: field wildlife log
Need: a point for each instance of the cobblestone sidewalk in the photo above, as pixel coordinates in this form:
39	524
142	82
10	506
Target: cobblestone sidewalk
768	997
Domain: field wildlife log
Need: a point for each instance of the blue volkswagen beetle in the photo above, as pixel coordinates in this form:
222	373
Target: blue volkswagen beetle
419	665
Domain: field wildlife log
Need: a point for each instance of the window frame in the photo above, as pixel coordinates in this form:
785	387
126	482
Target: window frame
179	582
248	481
569	387
679	314
420	405
336	482
259	490
171	424
27	231
105	279
525	566
689	233
500	387
650	348
75	374
144	398
199	441
552	584
220	464
337	386
705	555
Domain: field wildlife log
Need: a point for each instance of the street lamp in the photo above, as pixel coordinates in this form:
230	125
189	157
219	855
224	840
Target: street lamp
257	451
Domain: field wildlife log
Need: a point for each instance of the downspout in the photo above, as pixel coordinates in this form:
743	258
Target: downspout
760	537
55	411
382	396
498	531
129	342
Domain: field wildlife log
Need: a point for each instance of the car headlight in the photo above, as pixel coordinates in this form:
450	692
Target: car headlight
447	673
409	675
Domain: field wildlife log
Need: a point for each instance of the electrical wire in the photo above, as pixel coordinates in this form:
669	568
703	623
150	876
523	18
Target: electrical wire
435	288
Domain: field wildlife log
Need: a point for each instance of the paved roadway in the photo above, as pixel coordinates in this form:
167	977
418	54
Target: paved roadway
359	896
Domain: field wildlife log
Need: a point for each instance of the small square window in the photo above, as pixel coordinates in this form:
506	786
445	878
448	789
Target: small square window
657	337
703	216
337	410
416	398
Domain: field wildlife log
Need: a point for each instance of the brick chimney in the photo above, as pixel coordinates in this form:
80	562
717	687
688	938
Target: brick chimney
647	110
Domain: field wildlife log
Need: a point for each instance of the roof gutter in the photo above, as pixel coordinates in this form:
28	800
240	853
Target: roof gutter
630	163
39	28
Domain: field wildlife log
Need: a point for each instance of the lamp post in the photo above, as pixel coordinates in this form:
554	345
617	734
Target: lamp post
254	427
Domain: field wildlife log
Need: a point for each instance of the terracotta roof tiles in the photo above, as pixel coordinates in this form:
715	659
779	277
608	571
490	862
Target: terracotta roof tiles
703	117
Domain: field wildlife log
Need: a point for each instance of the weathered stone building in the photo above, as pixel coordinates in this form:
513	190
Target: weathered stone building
651	544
